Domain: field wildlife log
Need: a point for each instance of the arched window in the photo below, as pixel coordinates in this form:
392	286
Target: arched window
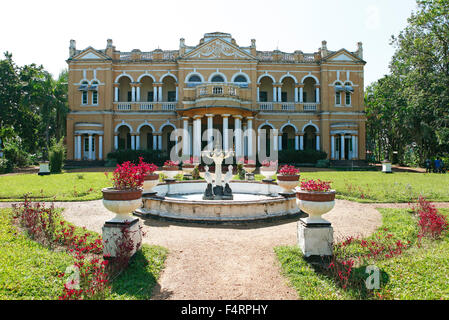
240	78
217	78
94	89
194	78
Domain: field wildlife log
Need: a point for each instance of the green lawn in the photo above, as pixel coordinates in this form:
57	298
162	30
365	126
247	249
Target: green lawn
419	273
29	271
350	185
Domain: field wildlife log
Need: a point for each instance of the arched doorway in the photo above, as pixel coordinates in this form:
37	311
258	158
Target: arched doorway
124	138
310	138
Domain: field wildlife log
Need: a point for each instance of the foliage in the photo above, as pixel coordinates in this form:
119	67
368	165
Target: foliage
269	164
407	109
316	185
301	156
57	155
129	176
6	166
431	222
14	152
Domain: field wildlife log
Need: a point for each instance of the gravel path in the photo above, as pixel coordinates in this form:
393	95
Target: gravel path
227	262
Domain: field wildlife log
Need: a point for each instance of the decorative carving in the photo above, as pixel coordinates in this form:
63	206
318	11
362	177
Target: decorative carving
218	49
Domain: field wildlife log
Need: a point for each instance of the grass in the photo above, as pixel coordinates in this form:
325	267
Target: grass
29	270
421	272
365	187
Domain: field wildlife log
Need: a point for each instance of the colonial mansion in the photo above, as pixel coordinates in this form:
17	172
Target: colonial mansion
134	100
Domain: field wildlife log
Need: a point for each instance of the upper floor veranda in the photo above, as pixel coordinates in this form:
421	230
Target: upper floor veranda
215	72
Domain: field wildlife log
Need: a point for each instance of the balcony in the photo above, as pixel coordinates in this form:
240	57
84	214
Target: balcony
217	90
145	106
288	106
310	106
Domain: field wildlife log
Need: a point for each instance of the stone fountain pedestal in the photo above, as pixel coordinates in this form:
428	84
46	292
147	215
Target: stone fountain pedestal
214	189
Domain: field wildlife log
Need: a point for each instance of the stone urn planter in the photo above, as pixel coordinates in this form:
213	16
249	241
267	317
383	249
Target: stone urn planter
249	168
122	202
188	168
287	182
315	203
170	171
150	181
268	172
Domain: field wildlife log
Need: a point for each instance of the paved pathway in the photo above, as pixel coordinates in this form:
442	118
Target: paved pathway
227	262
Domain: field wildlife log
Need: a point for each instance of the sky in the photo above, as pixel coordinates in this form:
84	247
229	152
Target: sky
40	31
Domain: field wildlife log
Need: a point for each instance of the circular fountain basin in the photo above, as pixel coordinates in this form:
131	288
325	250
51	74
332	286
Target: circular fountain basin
251	201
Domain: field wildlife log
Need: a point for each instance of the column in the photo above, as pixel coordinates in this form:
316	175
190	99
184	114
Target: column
210	132
258	92
138	92
116	142
78	151
138	142
317	142
176	92
238	136
225	132
296	142
116	90
197	137
245	141
342	147
159	95
279	146
75	148
356	147
317	93
133	93
155	142
159	142
301	94
274	94
353	153
155	93
301	142
332	147
133	142
90	147
296	94
275	140
191	139
280	93
185	136
249	131
100	147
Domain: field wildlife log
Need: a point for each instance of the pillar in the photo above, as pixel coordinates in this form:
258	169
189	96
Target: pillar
155	142
274	94
238	136
296	94
197	137
133	93
258	92
185	137
317	94
279	146
296	142
159	95
353	153
250	136
357	147
155	93
279	99
133	142
116	90
301	142
138	141
210	132
342	147
159	142
301	94
275	140
116	142
100	147
332	147
176	92
90	147
225	132
317	142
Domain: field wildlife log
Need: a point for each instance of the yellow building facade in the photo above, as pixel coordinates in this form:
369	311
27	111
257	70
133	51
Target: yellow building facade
136	99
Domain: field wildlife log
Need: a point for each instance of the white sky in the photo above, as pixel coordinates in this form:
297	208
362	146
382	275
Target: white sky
40	31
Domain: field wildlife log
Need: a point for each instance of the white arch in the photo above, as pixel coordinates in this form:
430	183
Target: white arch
124	75
288	124
168	74
288	75
217	74
266	75
310	123
146	75
168	123
145	124
240	74
338	82
193	73
310	76
266	123
123	123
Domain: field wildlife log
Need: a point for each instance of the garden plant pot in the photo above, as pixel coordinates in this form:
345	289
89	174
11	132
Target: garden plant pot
288	183
151	180
315	203
122	202
249	168
170	171
268	172
188	168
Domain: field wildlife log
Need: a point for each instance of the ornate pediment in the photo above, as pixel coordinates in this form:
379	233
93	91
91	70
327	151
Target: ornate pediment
90	54
217	49
343	55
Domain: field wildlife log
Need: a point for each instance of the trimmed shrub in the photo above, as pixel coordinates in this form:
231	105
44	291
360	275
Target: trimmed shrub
301	156
56	155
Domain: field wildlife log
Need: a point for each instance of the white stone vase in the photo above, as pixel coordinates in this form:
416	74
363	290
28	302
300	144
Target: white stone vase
122	202
170	171
288	183
249	168
151	180
315	203
268	172
188	169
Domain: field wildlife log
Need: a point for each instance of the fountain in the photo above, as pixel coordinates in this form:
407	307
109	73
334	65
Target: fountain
218	198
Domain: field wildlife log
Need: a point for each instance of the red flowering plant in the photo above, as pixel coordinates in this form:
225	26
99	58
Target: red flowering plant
246	161
269	164
316	185
170	163
190	162
129	176
288	170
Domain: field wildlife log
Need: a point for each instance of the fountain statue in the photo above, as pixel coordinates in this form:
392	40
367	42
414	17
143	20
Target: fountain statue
218	192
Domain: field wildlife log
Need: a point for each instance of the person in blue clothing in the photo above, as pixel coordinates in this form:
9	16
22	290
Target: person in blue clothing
428	165
437	165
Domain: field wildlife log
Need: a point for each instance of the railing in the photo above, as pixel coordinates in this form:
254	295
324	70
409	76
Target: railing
265	106
123	106
288	106
168	106
310	106
146	105
217	90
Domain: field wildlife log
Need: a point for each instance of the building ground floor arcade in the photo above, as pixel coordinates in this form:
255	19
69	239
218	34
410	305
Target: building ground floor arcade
92	137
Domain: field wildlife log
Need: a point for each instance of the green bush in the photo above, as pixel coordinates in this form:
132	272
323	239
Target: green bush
5	166
14	152
301	156
157	157
56	155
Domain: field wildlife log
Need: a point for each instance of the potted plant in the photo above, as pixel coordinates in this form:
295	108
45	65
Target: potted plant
248	165
315	197
288	178
170	168
126	193
189	165
151	178
268	168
